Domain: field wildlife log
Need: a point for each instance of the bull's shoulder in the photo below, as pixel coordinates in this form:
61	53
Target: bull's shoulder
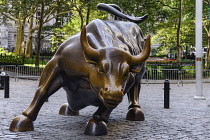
112	25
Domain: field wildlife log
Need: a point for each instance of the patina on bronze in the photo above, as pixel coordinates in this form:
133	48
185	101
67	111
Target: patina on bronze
97	66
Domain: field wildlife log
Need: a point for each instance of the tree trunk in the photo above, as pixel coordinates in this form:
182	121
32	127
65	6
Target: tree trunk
88	15
19	45
207	62
29	47
39	37
179	48
81	18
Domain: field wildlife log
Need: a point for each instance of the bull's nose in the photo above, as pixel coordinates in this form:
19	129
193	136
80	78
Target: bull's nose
111	98
109	94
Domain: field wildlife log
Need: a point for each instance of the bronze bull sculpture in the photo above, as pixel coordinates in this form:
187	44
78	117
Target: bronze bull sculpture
97	66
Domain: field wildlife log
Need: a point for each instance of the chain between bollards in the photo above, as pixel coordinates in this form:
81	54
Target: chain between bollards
166	94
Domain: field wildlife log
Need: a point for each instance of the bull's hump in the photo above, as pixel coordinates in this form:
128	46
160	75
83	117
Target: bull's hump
118	34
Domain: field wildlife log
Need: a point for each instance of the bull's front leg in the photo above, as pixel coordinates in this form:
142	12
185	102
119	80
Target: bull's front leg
50	82
134	113
97	125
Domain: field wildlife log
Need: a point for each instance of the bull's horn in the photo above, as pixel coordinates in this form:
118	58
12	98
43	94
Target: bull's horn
115	10
90	54
135	60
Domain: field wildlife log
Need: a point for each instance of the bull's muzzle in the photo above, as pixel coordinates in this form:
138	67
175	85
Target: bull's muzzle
111	98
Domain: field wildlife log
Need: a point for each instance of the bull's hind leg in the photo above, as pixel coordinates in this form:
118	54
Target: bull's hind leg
134	113
66	111
50	82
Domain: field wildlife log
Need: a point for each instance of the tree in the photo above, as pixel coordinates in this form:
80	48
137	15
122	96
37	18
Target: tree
39	34
52	10
17	11
171	21
168	19
21	11
86	11
206	25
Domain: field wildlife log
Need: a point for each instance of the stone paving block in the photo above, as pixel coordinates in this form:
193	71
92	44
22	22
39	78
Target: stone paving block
186	119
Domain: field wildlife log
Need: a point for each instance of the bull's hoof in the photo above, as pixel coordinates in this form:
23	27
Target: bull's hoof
135	114
21	124
96	128
65	110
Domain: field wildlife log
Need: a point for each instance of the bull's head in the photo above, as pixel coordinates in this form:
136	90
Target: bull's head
113	68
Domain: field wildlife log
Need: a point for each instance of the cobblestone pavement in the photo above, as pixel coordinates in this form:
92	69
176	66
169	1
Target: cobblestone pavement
186	119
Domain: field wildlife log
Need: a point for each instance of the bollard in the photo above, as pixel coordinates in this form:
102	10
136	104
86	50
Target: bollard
1	82
166	94
6	86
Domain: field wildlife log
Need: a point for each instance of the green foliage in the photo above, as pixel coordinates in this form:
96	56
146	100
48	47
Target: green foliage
9	58
162	21
63	33
5	52
76	20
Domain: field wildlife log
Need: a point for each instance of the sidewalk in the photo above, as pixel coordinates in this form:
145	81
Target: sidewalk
186	119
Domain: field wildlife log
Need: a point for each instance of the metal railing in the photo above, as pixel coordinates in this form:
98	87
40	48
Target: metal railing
28	72
151	75
206	76
161	74
10	69
175	75
22	71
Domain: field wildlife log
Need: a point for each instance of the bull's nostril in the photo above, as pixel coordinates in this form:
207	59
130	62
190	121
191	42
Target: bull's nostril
100	92
122	91
106	89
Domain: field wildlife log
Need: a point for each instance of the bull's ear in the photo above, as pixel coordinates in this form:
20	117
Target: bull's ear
135	69
89	59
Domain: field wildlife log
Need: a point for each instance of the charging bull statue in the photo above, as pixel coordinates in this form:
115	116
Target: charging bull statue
97	66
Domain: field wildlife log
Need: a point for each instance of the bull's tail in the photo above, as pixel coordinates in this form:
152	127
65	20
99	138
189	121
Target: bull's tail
116	11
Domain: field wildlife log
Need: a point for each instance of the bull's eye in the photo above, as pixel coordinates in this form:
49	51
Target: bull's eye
100	69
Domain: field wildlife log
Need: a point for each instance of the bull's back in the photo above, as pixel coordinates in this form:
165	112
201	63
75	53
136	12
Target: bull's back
111	33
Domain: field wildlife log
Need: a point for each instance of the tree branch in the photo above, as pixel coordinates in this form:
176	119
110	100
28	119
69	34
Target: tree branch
9	17
163	4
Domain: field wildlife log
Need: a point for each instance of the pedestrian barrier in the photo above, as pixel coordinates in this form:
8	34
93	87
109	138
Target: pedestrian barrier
11	70
156	75
175	75
28	72
206	76
22	71
151	75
